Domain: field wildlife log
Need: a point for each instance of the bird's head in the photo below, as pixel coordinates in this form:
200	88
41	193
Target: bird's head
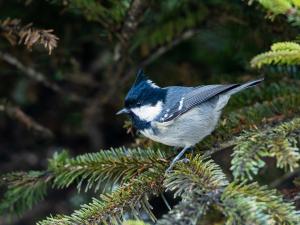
144	99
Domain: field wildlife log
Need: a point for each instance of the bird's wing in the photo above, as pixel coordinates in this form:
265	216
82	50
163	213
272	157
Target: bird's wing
194	98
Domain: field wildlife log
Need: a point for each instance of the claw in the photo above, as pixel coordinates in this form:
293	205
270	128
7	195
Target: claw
185	160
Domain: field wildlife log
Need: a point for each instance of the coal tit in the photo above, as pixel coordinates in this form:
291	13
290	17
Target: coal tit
177	116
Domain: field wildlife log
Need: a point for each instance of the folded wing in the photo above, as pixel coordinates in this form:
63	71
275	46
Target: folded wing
202	94
195	98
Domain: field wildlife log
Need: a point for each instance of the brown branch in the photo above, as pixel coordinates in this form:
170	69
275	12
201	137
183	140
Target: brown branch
155	54
163	49
222	146
39	77
133	18
16	113
287	176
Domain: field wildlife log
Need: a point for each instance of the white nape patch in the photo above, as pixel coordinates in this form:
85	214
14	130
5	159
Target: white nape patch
148	112
181	103
152	84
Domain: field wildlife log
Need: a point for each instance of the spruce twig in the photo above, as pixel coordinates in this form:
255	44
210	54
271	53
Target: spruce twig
130	197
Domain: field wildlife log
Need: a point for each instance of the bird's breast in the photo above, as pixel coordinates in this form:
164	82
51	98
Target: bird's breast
187	129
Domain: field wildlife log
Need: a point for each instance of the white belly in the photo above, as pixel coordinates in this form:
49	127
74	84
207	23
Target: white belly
186	130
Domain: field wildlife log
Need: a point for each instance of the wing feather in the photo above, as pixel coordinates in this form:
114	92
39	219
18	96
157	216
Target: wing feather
195	98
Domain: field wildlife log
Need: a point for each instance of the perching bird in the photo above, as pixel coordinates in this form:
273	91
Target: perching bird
177	116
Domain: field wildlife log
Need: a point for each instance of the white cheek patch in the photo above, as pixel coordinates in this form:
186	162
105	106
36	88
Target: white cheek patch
148	112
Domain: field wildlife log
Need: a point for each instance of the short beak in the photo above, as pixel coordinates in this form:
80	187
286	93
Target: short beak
123	111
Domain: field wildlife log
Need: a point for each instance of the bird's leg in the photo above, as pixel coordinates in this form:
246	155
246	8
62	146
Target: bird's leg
177	158
192	150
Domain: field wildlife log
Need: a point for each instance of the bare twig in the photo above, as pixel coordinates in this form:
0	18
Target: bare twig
163	49
220	147
280	180
16	113
133	18
155	54
39	77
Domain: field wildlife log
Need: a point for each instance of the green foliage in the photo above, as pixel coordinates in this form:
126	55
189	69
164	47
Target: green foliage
131	197
277	6
134	222
199	173
169	26
201	184
282	53
108	167
278	142
24	190
289	8
93	10
103	170
198	183
254	204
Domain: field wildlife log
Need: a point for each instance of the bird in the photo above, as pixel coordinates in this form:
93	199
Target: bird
177	116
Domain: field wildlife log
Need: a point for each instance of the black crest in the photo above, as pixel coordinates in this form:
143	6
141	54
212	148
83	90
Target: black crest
142	92
140	77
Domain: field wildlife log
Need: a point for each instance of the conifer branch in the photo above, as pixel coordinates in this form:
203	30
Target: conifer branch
134	222
278	142
130	197
202	183
254	204
15	32
23	190
199	183
200	174
112	167
188	212
282	53
102	170
289	8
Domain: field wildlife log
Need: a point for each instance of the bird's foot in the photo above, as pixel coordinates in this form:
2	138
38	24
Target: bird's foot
185	160
177	158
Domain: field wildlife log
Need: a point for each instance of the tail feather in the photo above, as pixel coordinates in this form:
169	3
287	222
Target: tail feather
223	100
245	86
